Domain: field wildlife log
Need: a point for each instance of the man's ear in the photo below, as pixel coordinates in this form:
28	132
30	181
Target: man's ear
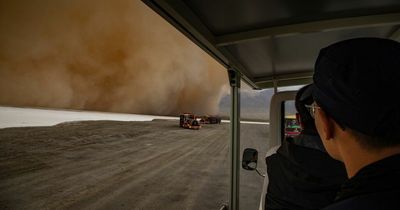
327	125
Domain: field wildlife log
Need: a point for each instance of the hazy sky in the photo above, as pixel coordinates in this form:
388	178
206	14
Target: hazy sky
102	55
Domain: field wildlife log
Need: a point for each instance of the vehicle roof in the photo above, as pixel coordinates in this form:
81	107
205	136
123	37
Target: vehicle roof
275	42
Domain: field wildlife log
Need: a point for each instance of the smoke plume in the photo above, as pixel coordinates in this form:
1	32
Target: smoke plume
103	55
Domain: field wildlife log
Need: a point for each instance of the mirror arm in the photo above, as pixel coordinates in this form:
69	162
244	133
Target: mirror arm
259	173
224	206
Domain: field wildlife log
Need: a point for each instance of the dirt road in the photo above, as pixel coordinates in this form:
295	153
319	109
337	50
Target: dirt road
122	165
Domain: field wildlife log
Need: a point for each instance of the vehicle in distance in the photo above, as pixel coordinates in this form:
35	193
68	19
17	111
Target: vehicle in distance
188	120
207	119
292	127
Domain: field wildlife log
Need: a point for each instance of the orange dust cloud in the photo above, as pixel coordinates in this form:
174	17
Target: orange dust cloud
117	56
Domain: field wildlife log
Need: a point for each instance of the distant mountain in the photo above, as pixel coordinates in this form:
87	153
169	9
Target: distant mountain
254	104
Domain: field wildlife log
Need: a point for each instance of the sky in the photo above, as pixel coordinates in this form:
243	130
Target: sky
114	56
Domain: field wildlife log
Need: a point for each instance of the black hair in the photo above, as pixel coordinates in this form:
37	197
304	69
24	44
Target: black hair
376	142
387	140
304	97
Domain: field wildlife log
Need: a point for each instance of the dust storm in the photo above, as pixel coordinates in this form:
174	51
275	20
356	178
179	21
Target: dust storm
116	56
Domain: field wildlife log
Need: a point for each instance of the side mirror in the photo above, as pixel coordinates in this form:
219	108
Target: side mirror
249	159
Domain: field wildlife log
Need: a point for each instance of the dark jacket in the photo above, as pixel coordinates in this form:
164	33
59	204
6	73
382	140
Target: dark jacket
302	175
376	186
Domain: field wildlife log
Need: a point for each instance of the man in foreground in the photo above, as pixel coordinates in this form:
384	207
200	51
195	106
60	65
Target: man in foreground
357	115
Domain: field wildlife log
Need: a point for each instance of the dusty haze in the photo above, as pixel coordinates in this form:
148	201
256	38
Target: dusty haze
102	55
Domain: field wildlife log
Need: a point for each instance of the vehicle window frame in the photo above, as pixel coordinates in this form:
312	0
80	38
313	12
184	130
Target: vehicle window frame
276	119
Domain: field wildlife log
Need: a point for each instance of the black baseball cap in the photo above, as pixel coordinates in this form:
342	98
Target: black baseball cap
357	82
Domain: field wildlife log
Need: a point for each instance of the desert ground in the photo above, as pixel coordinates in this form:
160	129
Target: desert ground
124	165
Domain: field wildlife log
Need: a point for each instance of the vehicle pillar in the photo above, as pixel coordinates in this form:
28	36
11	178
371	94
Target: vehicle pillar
234	149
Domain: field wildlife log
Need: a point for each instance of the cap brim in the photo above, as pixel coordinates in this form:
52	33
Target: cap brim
307	93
